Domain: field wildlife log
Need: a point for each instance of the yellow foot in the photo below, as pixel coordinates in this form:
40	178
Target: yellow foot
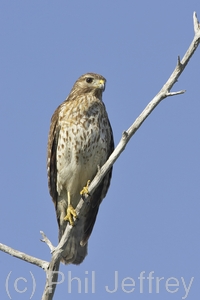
70	214
85	189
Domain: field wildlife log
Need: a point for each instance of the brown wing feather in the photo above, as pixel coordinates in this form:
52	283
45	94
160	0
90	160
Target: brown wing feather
52	152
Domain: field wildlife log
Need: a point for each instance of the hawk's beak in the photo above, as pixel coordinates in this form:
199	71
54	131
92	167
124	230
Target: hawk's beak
102	84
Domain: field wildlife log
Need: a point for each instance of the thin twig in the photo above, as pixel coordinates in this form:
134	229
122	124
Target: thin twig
47	241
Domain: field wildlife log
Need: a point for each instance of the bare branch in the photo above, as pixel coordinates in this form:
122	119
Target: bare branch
51	279
21	255
163	93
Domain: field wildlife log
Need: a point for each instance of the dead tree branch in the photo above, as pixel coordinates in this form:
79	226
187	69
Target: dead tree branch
21	255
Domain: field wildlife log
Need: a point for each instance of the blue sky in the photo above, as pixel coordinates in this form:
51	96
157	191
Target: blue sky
149	221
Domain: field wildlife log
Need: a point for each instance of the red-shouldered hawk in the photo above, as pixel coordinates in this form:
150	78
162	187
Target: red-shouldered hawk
80	141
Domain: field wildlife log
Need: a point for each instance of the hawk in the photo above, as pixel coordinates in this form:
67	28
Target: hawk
80	141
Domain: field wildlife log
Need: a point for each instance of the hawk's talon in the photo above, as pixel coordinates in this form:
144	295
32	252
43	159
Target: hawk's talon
85	189
70	214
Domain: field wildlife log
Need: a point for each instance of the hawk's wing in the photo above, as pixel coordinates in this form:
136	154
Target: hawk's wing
52	153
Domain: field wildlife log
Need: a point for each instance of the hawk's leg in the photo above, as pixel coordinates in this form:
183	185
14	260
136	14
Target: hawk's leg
70	212
85	189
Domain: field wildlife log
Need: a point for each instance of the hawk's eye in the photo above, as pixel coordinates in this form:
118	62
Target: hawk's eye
89	80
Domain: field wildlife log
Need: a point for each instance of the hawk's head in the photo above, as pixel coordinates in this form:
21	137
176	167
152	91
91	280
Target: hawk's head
90	83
